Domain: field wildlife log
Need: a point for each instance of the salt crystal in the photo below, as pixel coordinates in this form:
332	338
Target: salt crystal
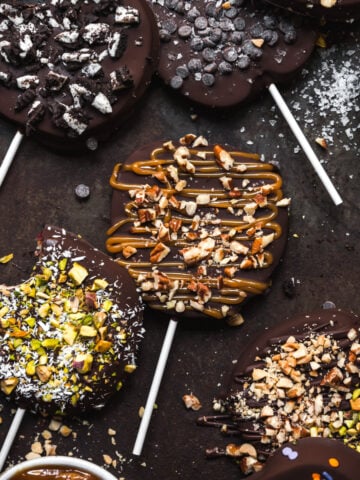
332	89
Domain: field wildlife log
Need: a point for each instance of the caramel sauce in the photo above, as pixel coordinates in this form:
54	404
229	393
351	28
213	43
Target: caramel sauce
222	217
54	473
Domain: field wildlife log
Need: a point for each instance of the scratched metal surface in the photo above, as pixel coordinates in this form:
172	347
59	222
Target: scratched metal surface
322	256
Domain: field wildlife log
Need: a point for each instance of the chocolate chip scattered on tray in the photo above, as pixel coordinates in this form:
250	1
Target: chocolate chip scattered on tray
82	191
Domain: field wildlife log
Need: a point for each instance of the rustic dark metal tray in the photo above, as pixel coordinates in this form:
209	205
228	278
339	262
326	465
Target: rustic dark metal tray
321	261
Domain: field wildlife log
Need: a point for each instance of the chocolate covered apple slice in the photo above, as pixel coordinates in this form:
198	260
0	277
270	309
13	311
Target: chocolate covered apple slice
74	70
298	379
199	227
71	332
222	53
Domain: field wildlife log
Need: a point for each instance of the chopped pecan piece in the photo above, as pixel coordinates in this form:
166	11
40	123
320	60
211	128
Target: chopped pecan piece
146	215
191	401
200	141
199	252
204	292
223	158
333	378
175	224
169	146
159	252
187	139
128	251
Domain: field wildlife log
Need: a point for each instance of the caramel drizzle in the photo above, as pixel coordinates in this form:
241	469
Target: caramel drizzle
116	244
233	291
131	212
204	169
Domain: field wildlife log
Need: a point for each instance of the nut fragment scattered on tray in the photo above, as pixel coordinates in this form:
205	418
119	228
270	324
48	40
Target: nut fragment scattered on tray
200	228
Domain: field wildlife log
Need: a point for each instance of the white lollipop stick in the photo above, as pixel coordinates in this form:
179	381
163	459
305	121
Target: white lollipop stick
9	439
309	152
160	367
10	154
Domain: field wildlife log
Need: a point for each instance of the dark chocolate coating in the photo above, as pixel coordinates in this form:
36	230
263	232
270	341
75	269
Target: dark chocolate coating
58	320
219	216
210	58
135	56
309	457
341	11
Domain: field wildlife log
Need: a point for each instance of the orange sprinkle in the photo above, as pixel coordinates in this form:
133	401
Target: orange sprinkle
333	462
316	476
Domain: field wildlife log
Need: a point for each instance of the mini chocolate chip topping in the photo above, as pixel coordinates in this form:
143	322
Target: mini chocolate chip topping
71	61
244	46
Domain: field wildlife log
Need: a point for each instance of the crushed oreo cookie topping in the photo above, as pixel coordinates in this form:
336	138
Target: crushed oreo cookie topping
59	59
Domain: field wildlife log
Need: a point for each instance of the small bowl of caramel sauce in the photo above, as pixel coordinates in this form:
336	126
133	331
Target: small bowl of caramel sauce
56	468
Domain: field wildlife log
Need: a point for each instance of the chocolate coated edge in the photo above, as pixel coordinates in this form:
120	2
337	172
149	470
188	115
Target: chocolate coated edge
313	457
290	326
345	11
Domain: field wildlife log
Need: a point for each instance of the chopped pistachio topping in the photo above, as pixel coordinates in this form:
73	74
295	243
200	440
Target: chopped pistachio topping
64	337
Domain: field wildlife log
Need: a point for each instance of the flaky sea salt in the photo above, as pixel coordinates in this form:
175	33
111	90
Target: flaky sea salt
332	90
